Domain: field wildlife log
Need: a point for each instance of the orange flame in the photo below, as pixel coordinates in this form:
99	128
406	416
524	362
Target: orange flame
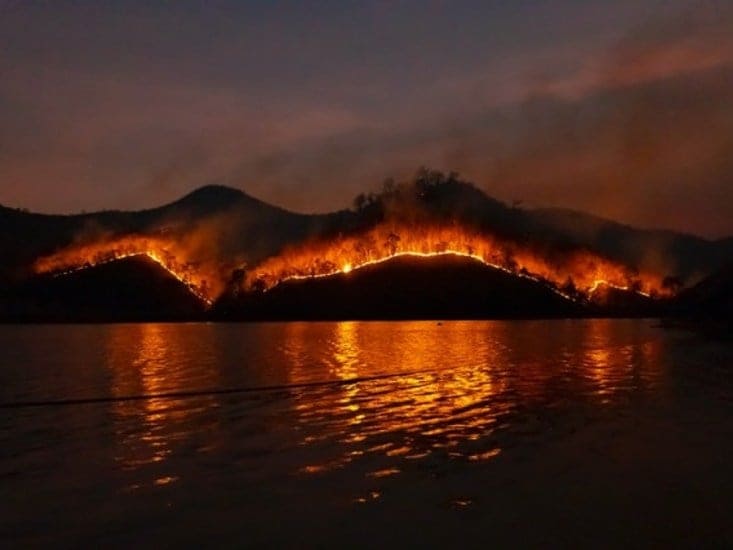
164	252
579	272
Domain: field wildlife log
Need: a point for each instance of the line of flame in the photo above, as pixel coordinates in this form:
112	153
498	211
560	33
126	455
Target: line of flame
347	268
148	254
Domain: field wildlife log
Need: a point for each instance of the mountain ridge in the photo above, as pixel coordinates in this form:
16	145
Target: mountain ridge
212	193
230	224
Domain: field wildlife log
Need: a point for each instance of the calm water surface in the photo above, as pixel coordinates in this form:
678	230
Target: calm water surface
304	433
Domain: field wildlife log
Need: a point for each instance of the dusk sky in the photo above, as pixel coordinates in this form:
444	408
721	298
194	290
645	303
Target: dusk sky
621	108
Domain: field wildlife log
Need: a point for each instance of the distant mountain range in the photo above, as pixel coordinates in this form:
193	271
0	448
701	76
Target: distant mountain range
238	231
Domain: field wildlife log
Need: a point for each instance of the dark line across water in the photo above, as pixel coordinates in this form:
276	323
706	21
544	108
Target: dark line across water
201	393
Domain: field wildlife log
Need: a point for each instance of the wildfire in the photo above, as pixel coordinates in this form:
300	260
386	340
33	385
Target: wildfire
572	275
164	252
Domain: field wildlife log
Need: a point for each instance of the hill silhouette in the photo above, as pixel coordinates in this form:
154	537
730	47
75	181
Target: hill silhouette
445	287
237	225
711	298
130	289
238	231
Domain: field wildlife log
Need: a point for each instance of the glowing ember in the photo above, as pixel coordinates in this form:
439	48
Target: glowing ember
163	252
572	275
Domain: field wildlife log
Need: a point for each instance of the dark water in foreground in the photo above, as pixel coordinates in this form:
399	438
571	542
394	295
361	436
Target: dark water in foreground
603	432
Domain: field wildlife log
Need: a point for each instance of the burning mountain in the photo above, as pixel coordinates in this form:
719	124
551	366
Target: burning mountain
219	243
167	253
575	274
405	287
134	288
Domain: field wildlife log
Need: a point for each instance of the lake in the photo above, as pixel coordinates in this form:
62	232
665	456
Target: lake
578	432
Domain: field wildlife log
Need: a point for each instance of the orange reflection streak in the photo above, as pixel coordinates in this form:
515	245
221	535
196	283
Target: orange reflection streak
609	366
346	359
569	274
406	417
145	359
465	386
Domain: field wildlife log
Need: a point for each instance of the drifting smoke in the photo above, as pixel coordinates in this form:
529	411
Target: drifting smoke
641	134
433	215
640	131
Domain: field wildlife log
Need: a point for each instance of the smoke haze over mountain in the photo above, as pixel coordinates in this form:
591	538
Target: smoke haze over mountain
624	109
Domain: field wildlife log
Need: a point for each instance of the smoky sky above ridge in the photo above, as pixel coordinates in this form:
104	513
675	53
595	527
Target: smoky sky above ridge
623	109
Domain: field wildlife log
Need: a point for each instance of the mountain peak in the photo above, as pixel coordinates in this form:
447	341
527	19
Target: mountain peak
213	198
210	198
213	193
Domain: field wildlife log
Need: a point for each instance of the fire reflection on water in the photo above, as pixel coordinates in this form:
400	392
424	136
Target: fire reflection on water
427	408
377	398
611	368
150	360
461	389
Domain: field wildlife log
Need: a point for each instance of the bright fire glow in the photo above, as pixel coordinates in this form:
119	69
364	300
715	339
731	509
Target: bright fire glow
578	272
163	252
575	274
